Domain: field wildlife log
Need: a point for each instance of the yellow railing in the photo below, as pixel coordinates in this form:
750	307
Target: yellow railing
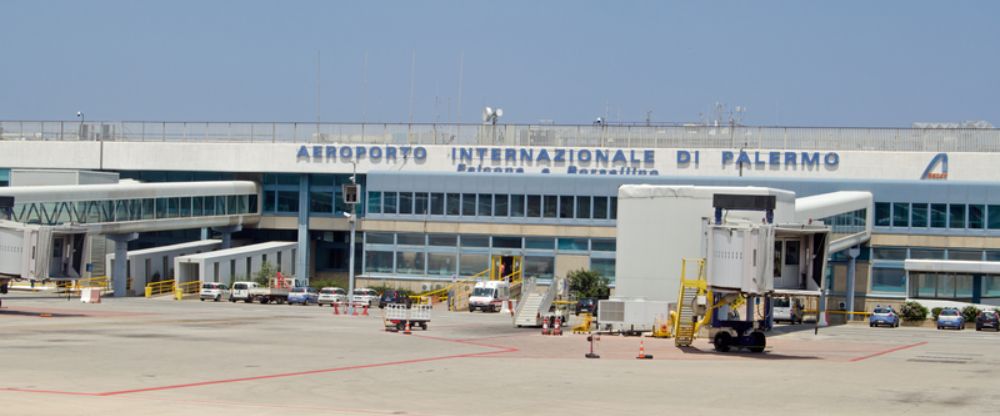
97	281
186	288
442	293
159	288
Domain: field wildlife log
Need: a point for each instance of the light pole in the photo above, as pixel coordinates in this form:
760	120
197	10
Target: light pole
83	120
351	217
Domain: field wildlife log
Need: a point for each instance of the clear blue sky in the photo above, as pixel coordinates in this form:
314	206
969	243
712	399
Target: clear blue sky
844	63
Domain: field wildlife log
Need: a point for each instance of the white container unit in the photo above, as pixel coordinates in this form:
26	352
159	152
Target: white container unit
740	258
157	263
237	264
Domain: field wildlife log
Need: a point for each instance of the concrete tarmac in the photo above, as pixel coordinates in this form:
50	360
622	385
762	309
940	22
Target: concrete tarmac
163	357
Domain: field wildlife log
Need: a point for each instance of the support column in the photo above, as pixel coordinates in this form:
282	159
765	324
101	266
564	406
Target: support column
227	234
852	254
119	273
302	257
204	233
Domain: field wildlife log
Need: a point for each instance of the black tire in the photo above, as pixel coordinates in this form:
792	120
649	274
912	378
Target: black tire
217	298
871	325
202	299
722	341
979	328
232	300
757	342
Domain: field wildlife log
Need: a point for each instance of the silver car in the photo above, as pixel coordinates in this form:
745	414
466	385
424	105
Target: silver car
331	295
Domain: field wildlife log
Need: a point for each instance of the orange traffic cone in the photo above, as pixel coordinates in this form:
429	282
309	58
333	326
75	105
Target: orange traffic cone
364	312
557	327
336	308
406	330
545	326
642	352
354	310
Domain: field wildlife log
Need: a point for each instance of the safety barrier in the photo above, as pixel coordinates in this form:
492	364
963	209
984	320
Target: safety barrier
186	288
159	288
91	282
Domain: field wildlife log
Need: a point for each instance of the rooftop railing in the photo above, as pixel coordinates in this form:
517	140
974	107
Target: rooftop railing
666	136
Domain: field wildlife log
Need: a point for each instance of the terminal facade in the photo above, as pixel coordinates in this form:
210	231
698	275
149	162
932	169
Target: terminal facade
446	201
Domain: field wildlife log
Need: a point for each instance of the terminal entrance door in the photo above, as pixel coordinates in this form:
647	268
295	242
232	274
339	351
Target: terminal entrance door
505	267
786	264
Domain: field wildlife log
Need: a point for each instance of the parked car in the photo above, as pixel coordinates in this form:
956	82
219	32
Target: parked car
331	295
950	318
988	319
303	295
364	296
212	290
883	316
588	305
393	296
787	309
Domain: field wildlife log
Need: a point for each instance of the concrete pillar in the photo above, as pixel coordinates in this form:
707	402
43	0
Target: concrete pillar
852	254
302	255
119	273
227	234
204	233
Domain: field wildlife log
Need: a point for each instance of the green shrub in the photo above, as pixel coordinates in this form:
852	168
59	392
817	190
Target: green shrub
913	311
970	312
588	284
936	311
328	282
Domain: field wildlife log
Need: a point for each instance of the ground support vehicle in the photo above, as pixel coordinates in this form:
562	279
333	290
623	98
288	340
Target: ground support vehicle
398	317
253	292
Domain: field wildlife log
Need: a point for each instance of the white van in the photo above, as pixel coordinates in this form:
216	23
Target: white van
243	291
212	290
489	296
787	309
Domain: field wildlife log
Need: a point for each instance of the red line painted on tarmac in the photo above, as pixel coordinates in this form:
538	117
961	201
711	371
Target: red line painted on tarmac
70	393
888	351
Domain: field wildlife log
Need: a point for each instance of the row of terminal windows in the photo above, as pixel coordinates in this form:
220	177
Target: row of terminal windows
888	275
923	215
493	205
484	241
133	209
281	193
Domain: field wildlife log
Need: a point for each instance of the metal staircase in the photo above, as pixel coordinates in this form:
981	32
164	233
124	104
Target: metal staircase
534	301
686	326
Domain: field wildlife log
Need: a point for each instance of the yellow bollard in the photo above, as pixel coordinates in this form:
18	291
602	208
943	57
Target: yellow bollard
149	292
178	294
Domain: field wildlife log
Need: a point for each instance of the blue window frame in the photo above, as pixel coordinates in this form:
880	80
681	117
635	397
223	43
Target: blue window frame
883	214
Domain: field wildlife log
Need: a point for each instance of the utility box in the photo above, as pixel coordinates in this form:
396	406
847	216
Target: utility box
741	257
630	316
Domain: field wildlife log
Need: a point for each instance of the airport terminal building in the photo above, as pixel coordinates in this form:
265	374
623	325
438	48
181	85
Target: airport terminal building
445	201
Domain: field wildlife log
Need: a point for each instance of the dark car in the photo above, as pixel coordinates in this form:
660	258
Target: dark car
988	319
393	296
588	305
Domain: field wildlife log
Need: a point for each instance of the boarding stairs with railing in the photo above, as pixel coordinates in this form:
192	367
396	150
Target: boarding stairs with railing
535	299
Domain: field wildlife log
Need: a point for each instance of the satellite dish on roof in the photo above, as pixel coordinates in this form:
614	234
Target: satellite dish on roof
490	115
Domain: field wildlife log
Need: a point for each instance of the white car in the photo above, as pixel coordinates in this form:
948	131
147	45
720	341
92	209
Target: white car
364	296
212	290
331	295
788	310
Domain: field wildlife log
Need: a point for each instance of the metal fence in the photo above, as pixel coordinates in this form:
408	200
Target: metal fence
673	136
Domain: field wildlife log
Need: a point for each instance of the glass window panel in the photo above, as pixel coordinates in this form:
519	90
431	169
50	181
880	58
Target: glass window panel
443	240
121	211
534	206
210	205
900	214
963	286
946	286
926	285
454	204
991	286
389	204
405	203
993	218
321	202
437	204
969	255
517	205
507	242
614	208
791	253
992	255
374	202
288	201
976	216
185	210
500	206
919	212
956	217
889	253
600	207
537	243
549	206
198	206
409	262
378	261
485	205
161	207
606	267
572	244
888	280
469	204
939	215
420	201
270	202
883	214
602	245
566	206
539	267
927	253
378	238
583	207
316	181
475	241
232	204
441	264
411	239
252	203
471	264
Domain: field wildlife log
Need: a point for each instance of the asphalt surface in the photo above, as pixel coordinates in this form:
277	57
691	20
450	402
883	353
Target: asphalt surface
162	357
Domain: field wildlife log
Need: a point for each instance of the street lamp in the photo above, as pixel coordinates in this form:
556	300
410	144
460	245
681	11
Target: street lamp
350	194
83	120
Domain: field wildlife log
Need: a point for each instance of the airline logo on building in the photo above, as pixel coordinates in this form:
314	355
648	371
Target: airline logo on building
938	168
